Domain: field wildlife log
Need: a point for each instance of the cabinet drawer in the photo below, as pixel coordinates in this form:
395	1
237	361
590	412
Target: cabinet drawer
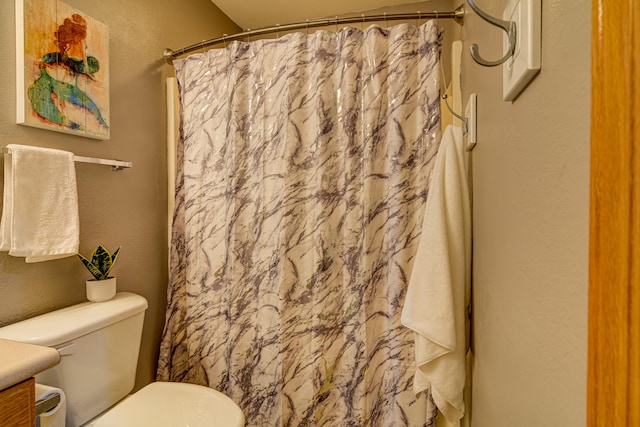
18	404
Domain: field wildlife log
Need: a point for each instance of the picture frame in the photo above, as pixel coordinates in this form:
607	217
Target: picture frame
62	60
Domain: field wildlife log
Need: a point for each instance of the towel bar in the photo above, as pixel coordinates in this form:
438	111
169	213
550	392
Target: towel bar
47	404
116	165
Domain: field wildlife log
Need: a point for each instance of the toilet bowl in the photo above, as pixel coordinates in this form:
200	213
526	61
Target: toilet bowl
99	345
173	404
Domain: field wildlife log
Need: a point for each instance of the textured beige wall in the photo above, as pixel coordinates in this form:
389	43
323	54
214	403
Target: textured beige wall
126	208
530	178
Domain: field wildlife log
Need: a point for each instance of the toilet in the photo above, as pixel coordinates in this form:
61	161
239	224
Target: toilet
99	345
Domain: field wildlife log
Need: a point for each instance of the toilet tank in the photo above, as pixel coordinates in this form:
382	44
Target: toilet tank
99	344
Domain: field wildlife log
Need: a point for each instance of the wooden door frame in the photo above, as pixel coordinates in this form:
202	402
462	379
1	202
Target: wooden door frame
613	381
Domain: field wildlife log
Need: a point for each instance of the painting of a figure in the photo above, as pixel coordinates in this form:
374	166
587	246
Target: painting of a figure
63	69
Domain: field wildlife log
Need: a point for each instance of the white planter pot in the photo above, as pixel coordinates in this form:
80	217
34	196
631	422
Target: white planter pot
101	290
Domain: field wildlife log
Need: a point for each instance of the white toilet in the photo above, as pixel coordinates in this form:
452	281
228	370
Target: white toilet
99	344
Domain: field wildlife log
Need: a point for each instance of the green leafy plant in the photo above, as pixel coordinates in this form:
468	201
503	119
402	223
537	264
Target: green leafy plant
101	262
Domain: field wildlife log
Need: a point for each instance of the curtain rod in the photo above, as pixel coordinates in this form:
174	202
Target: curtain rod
457	15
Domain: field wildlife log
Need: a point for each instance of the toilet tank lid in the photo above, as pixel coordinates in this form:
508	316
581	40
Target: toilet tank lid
68	323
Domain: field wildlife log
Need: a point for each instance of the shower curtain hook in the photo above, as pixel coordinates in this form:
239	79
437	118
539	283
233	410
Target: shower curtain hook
307	27
418	19
436	18
202	44
336	23
278	30
386	24
362	24
224	40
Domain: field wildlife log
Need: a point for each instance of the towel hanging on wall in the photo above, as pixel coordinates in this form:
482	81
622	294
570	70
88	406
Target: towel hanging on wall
40	218
438	296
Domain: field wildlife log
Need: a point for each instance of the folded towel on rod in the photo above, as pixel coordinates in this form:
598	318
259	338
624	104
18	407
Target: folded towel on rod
40	218
438	296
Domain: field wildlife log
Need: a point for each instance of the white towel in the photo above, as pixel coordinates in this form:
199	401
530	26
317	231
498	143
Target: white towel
40	211
56	416
438	296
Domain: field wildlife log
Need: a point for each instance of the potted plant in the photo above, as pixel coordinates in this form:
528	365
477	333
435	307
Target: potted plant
103	286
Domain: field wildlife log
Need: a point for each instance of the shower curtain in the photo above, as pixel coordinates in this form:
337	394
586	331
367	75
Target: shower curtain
302	175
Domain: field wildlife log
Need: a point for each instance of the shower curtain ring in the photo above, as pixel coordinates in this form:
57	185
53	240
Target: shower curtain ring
278	30
418	19
224	40
386	25
336	23
307	27
362	24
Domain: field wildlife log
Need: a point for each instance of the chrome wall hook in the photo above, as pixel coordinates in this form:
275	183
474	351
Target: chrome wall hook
469	120
465	121
508	26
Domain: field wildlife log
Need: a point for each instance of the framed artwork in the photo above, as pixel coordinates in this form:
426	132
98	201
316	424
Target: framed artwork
62	58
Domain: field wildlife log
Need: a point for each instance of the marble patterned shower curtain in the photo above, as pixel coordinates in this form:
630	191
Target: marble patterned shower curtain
302	176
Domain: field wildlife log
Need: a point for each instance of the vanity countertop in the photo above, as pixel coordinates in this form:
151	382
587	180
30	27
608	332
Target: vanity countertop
19	361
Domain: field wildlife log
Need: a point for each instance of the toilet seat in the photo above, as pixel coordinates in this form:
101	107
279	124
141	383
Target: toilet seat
163	404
